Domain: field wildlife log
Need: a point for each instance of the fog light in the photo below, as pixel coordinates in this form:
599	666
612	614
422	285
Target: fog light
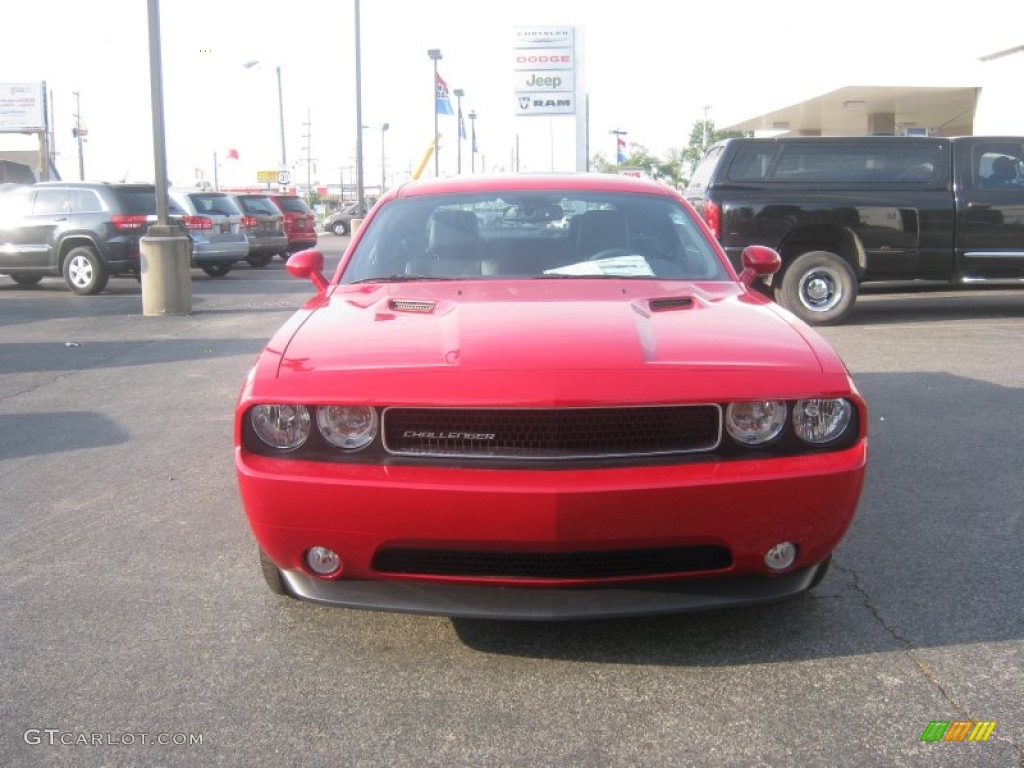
323	561
781	556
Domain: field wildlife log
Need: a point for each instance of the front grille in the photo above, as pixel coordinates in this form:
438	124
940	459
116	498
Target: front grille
553	565
572	433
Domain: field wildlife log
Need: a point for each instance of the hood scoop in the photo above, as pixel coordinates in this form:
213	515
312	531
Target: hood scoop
418	306
670	304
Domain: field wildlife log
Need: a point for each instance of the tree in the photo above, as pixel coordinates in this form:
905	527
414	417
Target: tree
665	169
693	153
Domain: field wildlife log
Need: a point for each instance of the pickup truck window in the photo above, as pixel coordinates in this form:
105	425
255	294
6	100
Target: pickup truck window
838	163
998	165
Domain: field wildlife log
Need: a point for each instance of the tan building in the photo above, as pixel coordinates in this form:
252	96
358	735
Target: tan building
989	106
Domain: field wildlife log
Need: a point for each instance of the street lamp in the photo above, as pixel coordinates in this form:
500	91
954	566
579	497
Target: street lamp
435	56
472	146
280	107
459	93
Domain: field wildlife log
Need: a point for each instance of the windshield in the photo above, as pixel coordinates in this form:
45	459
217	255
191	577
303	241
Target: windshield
549	234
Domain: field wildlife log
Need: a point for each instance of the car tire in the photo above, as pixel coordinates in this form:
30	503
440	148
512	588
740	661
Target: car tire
27	278
272	575
259	260
339	228
216	270
819	287
819	576
284	256
84	271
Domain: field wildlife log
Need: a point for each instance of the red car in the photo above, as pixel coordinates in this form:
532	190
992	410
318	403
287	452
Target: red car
578	410
299	221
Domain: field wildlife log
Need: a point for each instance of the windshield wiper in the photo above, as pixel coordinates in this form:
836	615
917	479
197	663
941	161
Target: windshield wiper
398	279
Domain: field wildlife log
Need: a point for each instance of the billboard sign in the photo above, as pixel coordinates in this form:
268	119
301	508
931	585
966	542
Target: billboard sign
22	107
544	60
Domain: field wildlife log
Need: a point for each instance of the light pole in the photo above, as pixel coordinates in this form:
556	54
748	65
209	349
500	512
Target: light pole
618	139
435	56
280	110
79	132
164	251
383	158
459	93
360	185
472	139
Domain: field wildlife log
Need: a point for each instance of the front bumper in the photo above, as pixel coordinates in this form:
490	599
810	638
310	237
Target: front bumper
746	507
528	604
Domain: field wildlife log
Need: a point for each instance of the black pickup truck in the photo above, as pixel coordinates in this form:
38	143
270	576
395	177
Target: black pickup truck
846	211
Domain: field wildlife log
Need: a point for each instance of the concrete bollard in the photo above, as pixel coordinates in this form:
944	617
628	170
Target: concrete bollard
166	261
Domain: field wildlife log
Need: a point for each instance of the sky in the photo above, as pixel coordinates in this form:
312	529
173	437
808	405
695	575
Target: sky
652	68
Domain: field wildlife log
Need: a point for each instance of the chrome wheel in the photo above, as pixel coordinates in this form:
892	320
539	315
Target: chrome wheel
821	289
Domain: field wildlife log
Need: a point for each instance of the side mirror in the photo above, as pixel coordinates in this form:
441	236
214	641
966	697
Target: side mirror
759	261
309	265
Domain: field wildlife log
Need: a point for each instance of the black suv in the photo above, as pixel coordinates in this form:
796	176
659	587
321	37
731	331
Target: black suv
83	231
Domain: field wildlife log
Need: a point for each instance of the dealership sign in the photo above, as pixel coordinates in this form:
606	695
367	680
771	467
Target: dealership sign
544	60
22	107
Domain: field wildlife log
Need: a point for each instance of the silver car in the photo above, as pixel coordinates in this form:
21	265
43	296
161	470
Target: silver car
214	223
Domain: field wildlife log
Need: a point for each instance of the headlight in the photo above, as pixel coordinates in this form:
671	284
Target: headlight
283	427
349	427
755	423
819	421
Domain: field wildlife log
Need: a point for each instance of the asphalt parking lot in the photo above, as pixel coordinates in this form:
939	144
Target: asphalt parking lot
136	629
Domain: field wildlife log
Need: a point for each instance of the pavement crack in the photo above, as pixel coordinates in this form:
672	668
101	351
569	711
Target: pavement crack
908	648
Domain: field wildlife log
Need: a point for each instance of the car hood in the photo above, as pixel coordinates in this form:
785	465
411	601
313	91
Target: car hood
544	335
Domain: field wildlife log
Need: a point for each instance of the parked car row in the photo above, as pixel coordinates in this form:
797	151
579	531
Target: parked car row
88	232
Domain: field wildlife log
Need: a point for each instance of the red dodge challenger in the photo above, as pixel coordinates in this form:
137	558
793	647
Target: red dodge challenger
545	397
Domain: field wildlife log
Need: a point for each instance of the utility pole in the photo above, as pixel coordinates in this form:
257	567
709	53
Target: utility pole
704	131
79	134
309	144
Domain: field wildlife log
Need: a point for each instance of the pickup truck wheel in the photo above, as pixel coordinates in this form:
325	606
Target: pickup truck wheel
84	272
819	287
28	278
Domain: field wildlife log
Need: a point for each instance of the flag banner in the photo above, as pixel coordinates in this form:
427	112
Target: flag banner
462	125
621	154
232	154
444	105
